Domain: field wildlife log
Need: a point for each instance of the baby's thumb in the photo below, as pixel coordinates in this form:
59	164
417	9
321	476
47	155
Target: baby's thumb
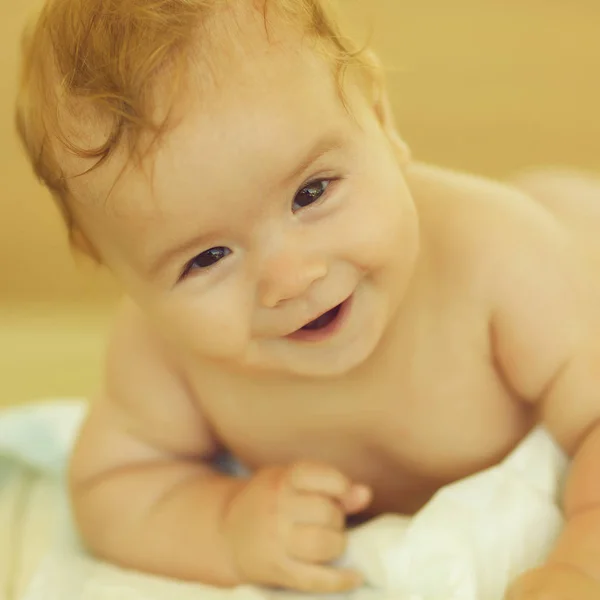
357	499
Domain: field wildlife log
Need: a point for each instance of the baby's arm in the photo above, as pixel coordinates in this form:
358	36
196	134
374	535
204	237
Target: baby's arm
145	496
546	335
142	493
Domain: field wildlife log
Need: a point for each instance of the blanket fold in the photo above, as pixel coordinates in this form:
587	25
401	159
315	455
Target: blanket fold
467	543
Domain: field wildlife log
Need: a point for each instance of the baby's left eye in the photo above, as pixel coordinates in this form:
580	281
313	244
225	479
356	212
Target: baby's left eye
310	193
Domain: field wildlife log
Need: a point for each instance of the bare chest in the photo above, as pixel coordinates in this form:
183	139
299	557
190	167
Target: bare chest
429	416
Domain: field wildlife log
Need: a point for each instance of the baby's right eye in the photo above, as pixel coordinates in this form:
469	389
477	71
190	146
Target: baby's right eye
205	260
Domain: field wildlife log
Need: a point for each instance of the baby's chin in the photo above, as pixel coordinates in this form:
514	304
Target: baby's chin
290	359
302	369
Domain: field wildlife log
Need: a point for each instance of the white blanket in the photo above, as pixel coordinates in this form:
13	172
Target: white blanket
466	544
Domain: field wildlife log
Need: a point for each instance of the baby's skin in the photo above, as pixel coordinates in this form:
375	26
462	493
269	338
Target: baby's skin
357	328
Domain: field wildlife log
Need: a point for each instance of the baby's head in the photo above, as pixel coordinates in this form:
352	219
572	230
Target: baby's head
235	165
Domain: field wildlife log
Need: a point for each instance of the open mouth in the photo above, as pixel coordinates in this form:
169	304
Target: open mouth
323	326
324	320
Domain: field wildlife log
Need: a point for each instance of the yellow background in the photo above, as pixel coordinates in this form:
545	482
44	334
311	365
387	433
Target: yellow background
481	85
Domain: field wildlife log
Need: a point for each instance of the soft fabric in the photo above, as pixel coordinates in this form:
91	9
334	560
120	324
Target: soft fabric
466	544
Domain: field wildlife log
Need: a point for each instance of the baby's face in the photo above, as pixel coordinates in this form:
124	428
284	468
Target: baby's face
269	205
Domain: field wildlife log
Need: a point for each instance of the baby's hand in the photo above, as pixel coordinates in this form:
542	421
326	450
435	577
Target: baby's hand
287	524
554	582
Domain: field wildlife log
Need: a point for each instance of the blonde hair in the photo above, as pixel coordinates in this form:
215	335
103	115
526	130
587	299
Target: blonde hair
103	58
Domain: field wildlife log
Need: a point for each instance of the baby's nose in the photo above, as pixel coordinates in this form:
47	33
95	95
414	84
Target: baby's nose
289	275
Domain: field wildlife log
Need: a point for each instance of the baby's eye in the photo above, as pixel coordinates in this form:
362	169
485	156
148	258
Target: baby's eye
310	194
206	259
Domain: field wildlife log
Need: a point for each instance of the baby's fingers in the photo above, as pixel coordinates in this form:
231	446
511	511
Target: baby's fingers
319	479
314	509
316	579
325	480
357	499
314	544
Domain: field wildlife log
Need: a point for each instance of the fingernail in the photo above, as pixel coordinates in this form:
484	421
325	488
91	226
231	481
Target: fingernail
362	493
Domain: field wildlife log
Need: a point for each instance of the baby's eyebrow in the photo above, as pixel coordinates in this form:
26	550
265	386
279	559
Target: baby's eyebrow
323	145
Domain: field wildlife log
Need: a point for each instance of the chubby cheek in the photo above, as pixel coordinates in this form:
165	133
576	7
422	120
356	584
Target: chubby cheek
385	226
213	325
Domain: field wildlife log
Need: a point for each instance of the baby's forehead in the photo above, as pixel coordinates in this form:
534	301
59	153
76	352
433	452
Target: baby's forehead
228	72
266	108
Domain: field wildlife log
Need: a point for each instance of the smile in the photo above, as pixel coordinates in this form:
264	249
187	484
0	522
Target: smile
324	320
323	326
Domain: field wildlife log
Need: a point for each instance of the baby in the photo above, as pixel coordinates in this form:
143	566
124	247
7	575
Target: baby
357	328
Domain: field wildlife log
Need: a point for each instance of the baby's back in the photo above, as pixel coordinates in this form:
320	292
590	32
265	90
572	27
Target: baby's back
573	197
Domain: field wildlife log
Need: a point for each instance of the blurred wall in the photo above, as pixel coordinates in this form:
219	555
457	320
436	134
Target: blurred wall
486	86
492	86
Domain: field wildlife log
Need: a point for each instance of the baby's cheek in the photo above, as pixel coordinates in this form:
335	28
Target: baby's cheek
216	328
378	236
218	338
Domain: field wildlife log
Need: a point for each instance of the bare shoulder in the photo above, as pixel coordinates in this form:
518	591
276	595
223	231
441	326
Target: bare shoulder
532	253
519	261
145	384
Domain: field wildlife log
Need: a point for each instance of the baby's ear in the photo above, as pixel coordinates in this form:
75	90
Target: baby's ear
385	115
